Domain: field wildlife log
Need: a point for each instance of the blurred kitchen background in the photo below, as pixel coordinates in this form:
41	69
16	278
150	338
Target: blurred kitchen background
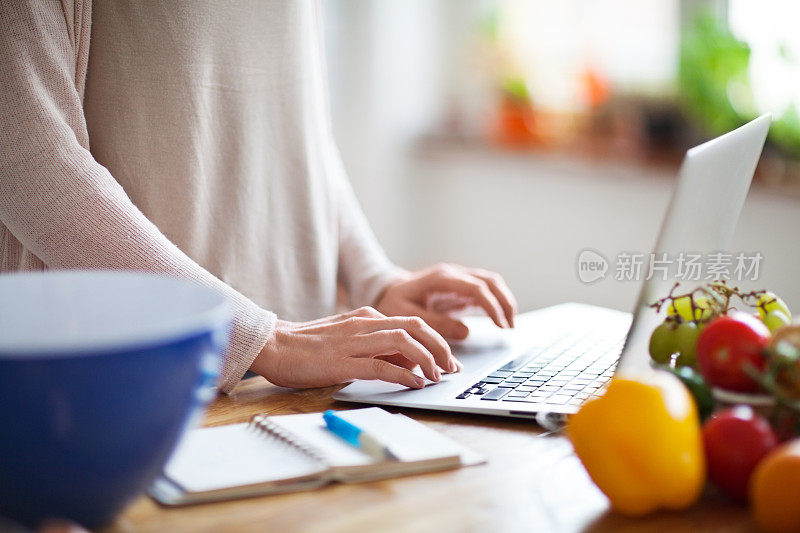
512	134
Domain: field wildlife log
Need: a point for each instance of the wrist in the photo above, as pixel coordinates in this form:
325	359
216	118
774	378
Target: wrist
401	277
268	357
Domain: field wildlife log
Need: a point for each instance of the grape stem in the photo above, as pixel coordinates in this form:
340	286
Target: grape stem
719	292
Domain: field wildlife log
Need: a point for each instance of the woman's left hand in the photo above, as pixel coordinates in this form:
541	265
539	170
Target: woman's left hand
457	287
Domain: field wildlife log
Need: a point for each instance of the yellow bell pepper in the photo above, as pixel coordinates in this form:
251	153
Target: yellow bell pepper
641	444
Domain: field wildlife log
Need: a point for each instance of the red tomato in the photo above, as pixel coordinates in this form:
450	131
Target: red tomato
727	345
735	440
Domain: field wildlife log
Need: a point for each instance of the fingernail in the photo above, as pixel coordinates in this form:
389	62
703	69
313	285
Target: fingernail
437	374
419	382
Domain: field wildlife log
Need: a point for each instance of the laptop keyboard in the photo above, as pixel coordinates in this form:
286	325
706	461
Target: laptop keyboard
574	368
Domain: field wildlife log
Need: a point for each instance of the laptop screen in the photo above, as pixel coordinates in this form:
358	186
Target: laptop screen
712	185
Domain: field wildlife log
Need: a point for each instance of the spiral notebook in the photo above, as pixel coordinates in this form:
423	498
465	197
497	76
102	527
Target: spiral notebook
286	453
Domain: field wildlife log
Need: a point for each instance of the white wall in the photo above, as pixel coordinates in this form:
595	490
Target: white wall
528	216
383	64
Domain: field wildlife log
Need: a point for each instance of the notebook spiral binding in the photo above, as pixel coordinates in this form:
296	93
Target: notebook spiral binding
264	425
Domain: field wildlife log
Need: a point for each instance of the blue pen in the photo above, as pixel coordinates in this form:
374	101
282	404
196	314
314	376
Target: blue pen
357	437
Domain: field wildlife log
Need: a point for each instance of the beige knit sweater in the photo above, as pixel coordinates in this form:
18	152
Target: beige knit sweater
189	138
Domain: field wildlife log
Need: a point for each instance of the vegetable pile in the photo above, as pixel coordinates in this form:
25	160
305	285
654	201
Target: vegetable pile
729	411
727	343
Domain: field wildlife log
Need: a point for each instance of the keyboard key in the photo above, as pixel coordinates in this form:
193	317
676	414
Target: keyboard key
462	396
516	363
526	400
492	380
572	386
548	388
558	399
495	394
500	374
557	382
508	385
517	394
535	382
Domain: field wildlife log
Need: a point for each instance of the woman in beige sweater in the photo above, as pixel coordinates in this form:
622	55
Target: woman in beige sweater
192	138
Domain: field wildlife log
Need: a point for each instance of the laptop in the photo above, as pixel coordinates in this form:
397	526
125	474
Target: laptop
558	357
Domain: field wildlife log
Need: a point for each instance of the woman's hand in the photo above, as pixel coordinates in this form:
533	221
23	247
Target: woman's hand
414	295
362	344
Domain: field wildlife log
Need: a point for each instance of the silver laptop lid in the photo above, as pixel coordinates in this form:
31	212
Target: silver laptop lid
712	185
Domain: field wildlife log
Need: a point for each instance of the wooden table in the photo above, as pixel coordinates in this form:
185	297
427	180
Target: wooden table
532	482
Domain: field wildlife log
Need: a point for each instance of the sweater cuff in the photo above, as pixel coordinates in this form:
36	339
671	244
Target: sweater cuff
251	330
374	287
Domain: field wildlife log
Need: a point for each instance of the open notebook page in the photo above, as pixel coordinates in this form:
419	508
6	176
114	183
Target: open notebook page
235	455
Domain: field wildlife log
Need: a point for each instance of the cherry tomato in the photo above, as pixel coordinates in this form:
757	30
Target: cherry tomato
735	440
727	346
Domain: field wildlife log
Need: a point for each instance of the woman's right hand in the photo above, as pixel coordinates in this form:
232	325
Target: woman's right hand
361	344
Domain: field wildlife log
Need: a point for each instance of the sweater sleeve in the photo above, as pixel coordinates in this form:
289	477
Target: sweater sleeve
61	204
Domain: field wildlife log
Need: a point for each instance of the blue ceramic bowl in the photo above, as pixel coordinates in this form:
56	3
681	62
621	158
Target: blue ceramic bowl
100	374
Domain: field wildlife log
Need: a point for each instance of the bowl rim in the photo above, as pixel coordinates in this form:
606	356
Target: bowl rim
217	314
755	399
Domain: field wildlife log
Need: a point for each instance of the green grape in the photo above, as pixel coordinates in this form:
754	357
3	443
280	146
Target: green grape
704	307
768	302
681	307
775	320
663	343
686	336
